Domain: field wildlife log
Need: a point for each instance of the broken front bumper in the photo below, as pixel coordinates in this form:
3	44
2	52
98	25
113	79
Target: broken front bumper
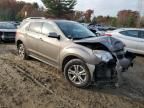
111	71
124	61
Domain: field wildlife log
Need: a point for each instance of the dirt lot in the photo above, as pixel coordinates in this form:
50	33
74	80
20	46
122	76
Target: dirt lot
32	84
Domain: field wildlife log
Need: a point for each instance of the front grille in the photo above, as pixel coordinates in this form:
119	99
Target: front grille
9	33
105	71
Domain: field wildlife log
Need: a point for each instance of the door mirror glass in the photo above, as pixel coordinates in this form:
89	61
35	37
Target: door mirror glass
54	35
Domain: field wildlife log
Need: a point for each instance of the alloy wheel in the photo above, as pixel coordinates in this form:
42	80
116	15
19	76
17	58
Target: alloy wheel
21	51
77	74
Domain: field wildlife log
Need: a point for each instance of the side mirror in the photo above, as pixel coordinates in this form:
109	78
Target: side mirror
54	35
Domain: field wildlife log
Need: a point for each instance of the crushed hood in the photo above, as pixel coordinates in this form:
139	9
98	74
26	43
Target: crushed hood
110	43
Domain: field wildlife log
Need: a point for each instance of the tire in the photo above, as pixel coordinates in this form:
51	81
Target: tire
1	40
77	73
22	52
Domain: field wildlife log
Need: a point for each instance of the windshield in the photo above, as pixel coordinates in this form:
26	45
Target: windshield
4	25
74	30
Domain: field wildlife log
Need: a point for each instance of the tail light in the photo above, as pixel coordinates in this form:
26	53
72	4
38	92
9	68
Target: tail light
107	34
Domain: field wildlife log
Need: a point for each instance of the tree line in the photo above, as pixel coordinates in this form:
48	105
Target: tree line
11	10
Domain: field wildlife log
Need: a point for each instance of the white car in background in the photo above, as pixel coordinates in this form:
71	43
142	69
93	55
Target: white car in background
133	38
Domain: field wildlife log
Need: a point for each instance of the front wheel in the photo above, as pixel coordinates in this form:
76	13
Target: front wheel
22	52
77	73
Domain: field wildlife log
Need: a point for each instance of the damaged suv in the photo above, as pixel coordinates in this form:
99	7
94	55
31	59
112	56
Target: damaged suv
76	51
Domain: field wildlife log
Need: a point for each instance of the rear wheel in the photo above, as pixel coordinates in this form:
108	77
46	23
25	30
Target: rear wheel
77	73
22	52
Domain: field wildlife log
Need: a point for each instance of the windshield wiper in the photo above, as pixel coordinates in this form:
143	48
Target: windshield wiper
79	38
89	37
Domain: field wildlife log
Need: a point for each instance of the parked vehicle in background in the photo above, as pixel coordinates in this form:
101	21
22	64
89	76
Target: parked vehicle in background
100	30
7	32
95	29
133	38
85	24
16	23
73	49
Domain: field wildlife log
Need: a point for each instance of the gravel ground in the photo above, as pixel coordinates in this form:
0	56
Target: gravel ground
32	84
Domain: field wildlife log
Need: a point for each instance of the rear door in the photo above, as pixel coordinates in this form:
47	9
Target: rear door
33	37
130	38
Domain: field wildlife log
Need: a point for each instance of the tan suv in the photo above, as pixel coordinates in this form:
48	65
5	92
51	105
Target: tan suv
73	49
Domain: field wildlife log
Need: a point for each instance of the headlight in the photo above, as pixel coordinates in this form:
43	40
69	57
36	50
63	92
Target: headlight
103	55
2	36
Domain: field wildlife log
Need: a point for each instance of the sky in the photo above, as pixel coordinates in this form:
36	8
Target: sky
102	7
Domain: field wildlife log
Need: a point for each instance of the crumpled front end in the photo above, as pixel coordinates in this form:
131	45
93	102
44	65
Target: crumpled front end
110	70
114	59
124	60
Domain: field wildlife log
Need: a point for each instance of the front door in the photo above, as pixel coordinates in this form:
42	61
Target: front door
49	47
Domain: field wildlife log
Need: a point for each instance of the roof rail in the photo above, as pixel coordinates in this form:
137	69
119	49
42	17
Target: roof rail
35	18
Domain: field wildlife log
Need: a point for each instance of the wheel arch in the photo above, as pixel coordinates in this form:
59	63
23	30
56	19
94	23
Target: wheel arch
18	42
68	58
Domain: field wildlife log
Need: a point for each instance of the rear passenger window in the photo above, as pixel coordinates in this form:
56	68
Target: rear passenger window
47	28
131	33
35	27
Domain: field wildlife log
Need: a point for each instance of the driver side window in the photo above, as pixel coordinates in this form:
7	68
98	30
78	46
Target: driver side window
47	28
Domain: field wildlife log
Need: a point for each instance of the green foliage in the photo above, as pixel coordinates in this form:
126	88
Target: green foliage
114	22
60	7
131	21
